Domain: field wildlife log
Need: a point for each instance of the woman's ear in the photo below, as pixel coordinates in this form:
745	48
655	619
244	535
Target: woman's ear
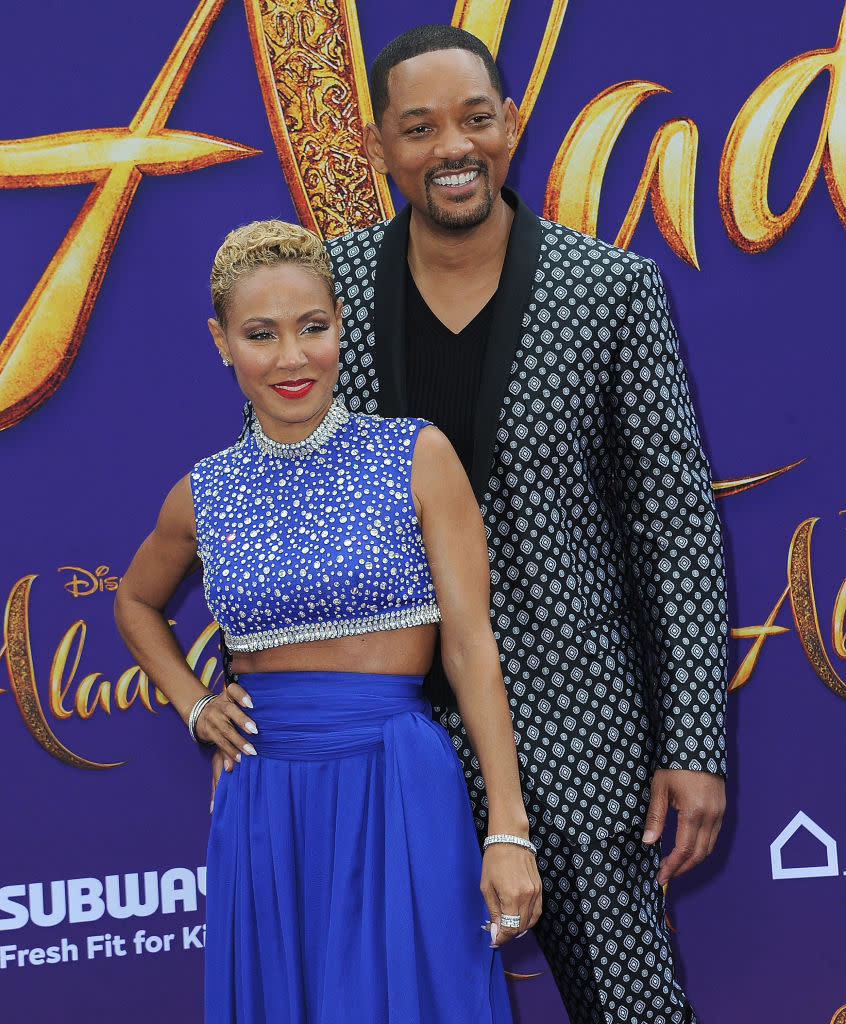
220	342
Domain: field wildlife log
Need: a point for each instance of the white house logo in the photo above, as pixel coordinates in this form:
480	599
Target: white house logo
827	850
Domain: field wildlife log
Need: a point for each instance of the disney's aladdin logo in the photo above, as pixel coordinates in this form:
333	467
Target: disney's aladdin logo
84	583
69	692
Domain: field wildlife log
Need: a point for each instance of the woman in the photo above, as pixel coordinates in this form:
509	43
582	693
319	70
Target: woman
342	859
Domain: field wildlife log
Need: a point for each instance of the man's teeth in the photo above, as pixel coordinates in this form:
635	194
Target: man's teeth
456	179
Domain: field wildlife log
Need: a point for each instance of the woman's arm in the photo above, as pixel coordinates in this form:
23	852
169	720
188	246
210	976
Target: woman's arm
458	557
162	562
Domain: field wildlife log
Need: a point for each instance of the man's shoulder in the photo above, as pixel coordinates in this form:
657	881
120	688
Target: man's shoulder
560	243
360	242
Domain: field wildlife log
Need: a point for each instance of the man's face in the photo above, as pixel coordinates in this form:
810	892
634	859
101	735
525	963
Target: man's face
445	137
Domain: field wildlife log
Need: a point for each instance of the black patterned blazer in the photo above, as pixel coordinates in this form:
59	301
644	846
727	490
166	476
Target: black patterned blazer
608	591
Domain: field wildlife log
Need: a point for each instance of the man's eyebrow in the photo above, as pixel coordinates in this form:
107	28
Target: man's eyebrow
472	101
415	112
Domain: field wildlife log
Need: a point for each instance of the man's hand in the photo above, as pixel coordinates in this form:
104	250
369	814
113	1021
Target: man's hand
700	800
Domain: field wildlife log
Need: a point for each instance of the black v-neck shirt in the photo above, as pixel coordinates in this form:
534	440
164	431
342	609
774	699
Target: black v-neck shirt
444	370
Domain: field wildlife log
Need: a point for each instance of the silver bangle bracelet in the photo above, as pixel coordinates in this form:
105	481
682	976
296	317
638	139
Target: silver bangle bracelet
503	837
193	718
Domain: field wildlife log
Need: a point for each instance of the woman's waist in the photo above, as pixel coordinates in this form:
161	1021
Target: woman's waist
405	651
317	714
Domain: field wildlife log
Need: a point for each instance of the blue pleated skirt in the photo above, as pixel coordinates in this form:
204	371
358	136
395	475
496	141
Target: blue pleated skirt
343	866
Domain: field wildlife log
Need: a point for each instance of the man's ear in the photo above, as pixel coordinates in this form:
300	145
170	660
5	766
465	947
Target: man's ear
373	147
511	116
220	342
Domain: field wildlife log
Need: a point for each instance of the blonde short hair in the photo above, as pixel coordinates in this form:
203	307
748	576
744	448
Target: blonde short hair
265	243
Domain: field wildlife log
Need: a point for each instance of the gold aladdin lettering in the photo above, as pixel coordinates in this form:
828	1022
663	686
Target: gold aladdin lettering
806	618
67	693
40	347
308	57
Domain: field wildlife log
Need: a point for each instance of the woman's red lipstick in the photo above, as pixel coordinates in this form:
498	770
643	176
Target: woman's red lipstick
294	388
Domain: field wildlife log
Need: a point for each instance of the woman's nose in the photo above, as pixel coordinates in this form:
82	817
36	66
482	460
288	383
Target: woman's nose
291	354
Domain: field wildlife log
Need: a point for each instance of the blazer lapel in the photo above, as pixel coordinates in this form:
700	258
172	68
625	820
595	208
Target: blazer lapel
515	286
389	316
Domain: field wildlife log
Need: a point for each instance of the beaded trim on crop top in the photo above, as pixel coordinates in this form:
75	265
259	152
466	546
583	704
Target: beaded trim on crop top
315	539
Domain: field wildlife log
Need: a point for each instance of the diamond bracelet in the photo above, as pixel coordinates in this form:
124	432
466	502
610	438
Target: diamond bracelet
503	837
194	717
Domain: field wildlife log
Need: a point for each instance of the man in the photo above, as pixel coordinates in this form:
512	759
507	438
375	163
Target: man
550	361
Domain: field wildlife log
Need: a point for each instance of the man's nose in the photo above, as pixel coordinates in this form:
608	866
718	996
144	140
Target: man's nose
453	144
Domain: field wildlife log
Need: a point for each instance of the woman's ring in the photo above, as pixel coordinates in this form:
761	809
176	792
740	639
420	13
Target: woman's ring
509	920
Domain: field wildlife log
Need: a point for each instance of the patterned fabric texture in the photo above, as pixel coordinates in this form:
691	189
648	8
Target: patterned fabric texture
605	936
608	590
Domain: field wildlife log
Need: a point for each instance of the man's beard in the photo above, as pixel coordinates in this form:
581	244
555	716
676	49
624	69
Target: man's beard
457	217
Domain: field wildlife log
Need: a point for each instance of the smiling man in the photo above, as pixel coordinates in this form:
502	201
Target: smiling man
550	360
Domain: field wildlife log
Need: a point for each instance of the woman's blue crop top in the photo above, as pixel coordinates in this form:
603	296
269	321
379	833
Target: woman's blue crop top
315	539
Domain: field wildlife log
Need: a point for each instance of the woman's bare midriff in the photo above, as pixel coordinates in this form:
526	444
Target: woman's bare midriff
393	652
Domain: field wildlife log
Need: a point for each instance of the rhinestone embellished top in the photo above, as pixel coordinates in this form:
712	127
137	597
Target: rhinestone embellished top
314	539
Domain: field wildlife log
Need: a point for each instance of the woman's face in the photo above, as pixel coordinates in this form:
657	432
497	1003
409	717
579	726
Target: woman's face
282	340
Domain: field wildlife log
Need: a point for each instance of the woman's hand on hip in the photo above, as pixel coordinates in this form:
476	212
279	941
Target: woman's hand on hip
223	722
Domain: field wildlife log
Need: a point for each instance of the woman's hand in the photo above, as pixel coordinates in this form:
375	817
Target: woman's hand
219	764
511	886
236	695
219	723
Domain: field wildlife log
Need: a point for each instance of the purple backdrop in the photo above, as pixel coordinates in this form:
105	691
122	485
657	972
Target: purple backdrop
85	471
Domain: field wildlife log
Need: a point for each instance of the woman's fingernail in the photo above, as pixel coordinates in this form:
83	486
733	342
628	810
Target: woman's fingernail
246	701
211	806
248	748
494	933
520	936
227	765
251	727
238	758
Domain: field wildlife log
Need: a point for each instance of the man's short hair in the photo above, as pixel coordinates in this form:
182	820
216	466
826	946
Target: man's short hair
424	39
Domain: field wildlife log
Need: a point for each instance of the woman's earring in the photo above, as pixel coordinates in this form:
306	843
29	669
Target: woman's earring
226	362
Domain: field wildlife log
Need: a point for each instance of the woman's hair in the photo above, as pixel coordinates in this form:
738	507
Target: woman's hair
265	243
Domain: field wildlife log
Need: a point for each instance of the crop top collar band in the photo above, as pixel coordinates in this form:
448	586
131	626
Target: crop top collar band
336	417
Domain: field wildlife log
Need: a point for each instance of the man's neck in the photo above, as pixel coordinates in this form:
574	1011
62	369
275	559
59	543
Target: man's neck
436	250
457	272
